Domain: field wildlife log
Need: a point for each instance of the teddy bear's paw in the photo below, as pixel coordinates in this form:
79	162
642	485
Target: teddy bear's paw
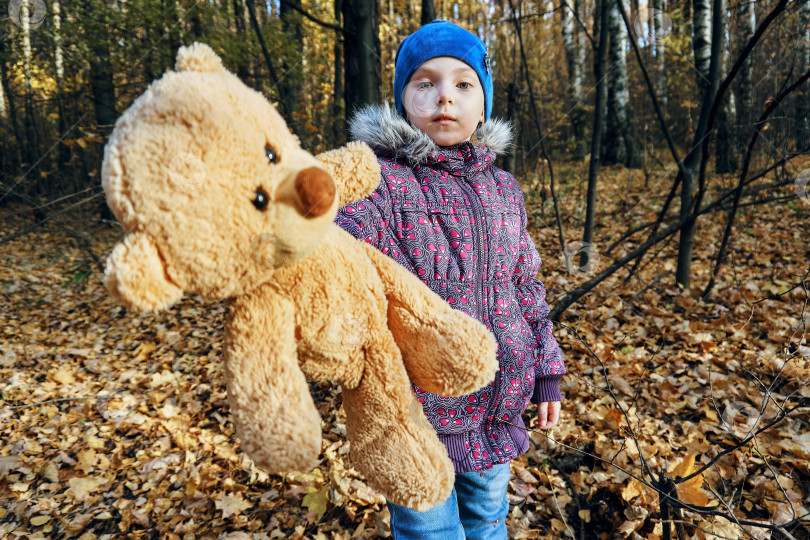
279	460
408	466
457	358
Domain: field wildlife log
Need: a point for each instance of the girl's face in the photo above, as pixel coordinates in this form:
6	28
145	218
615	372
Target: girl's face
444	98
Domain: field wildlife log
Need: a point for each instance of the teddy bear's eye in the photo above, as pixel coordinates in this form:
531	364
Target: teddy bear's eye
271	154
261	199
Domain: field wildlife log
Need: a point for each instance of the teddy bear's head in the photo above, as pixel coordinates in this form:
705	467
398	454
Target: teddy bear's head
211	187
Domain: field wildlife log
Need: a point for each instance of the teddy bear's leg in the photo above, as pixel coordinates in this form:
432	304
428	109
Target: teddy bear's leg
445	351
275	417
392	443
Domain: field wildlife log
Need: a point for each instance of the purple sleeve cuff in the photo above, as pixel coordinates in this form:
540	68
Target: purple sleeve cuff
547	389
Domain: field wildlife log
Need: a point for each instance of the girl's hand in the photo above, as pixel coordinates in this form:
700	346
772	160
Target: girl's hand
548	413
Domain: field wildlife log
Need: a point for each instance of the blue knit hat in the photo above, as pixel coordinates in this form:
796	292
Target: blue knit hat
441	38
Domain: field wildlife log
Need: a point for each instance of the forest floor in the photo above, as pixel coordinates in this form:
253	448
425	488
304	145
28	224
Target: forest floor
116	425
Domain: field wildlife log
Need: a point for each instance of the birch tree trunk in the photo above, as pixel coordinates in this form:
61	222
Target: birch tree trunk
725	152
745	88
569	44
702	41
63	154
686	243
31	151
575	57
659	46
621	145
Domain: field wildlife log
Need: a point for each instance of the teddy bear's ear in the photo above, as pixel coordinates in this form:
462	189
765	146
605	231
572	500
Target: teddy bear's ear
355	170
198	57
136	277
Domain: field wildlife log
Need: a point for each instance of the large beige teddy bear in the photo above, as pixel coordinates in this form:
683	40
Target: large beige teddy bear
217	198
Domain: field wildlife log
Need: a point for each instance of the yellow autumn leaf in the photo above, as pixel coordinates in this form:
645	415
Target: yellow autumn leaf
40	520
315	501
689	491
64	375
632	490
232	504
82	487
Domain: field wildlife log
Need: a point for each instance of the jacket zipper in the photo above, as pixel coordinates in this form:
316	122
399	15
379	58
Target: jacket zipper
479	278
495	406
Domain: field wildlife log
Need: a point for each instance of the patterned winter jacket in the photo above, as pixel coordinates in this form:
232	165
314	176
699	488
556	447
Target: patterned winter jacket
456	221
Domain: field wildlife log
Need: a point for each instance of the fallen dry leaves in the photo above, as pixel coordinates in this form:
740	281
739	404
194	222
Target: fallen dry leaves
123	428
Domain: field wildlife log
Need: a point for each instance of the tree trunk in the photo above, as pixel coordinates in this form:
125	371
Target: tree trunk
692	161
63	152
338	112
286	105
31	152
621	145
659	36
12	109
510	161
291	25
101	84
725	151
745	86
702	41
574	53
239	16
601	17
428	11
361	53
803	97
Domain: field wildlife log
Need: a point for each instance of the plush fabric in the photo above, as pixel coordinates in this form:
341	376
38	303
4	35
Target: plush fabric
218	199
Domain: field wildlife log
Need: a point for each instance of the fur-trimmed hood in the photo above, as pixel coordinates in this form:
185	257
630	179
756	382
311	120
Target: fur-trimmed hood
382	128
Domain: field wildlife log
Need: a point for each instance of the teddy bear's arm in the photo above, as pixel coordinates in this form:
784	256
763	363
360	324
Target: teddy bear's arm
275	417
355	170
445	351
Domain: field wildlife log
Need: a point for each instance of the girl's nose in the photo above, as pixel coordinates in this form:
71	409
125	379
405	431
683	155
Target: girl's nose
445	94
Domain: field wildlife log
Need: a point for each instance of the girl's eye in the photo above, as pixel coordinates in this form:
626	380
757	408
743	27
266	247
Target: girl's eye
466	85
261	199
272	156
422	85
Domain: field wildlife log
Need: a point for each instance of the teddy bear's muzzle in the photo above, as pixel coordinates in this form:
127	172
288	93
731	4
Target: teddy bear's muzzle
315	192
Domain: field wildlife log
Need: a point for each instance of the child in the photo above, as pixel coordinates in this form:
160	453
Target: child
447	214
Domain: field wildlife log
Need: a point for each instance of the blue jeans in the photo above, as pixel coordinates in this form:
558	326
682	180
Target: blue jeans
476	510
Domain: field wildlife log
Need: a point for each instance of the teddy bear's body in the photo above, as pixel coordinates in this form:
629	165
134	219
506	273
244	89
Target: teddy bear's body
218	199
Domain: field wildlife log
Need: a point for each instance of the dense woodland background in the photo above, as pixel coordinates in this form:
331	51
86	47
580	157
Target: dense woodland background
663	147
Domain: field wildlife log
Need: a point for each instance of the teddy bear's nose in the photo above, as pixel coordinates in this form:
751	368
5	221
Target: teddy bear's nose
316	191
